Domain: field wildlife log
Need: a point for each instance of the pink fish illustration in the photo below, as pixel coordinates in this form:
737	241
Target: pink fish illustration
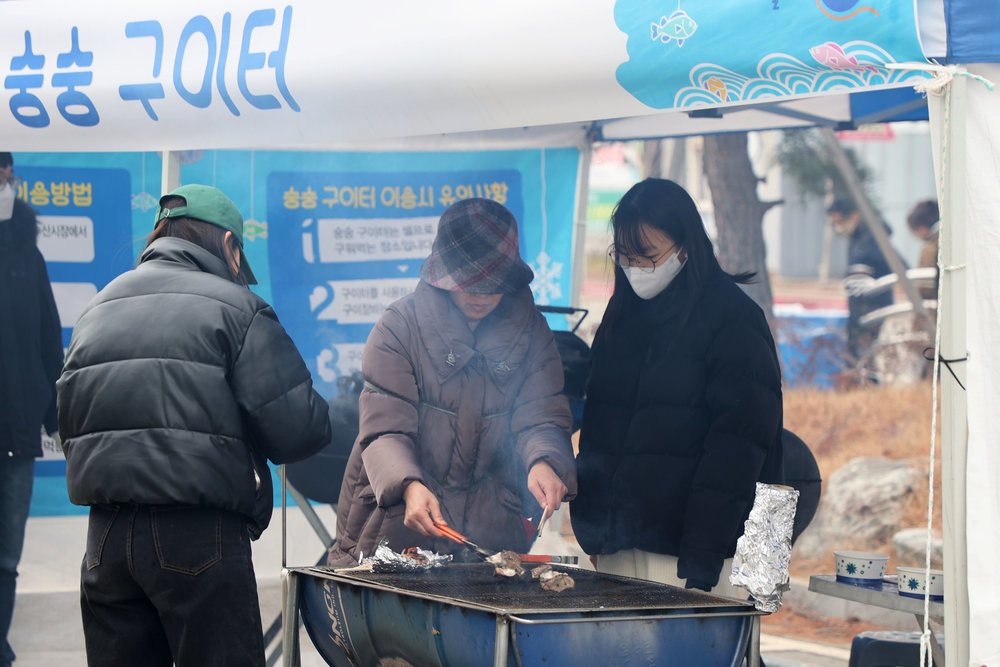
832	55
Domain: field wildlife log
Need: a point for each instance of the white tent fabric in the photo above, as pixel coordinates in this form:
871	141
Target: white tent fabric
965	133
981	193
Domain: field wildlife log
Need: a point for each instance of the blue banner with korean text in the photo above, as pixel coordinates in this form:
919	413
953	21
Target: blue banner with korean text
333	237
352	243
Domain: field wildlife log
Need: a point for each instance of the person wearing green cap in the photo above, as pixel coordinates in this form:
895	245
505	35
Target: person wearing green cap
179	385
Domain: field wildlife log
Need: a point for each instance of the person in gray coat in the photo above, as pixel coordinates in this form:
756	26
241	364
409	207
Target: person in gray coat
179	385
462	419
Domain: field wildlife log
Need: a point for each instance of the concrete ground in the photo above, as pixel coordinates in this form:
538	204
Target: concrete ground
47	631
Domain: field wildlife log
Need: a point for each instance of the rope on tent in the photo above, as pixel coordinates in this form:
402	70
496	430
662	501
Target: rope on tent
943	74
939	86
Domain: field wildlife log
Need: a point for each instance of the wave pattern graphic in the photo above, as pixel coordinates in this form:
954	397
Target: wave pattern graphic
782	75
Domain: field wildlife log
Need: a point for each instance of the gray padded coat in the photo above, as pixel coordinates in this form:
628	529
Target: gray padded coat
465	413
178	384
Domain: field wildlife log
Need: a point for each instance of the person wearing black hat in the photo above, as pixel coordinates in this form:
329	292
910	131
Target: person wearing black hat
31	355
462	419
179	385
865	263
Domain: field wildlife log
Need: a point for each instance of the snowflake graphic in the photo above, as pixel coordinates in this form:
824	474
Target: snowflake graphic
144	201
545	286
851	568
912	584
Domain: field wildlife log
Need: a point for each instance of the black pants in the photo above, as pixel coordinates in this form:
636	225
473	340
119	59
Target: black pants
169	585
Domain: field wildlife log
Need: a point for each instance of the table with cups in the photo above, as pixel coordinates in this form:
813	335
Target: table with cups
861	577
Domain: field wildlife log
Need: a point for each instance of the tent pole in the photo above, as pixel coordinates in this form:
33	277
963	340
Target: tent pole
170	178
948	131
580	222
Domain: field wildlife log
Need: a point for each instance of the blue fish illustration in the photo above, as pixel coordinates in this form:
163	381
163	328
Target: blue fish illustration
678	26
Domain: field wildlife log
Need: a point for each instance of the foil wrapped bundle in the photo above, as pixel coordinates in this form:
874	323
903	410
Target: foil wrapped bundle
415	558
765	548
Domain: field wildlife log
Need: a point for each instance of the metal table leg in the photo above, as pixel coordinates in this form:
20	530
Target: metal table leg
502	642
290	620
753	650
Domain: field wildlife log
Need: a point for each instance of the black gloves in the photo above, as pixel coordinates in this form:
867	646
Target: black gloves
695	583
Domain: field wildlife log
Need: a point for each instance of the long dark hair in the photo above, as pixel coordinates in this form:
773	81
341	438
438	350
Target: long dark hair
664	205
210	237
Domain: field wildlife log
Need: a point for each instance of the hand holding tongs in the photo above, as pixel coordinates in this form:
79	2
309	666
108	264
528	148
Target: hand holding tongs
541	522
462	539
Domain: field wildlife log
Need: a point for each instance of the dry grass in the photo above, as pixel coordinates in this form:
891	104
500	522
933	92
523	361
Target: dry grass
804	624
893	422
878	421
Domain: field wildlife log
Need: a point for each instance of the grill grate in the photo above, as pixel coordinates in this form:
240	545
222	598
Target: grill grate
476	583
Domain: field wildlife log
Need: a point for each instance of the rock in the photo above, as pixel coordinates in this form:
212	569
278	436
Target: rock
908	548
861	504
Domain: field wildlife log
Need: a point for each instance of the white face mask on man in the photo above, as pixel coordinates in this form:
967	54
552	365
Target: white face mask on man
7	196
647	284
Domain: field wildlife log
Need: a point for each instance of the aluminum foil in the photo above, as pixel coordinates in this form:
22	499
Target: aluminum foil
765	548
387	560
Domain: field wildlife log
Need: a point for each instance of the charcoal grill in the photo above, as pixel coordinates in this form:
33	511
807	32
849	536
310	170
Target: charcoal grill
463	614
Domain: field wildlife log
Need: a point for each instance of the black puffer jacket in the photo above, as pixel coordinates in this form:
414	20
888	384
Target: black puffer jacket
178	384
682	418
864	258
31	351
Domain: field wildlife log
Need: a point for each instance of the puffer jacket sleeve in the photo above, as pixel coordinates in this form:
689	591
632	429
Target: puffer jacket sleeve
744	395
287	419
541	418
388	410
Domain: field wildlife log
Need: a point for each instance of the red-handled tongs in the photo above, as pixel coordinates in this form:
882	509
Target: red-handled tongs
462	539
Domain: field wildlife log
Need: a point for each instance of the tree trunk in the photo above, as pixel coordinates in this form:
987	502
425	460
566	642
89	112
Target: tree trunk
652	158
739	213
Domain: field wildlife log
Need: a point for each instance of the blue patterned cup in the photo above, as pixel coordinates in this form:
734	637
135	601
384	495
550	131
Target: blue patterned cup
861	568
915	581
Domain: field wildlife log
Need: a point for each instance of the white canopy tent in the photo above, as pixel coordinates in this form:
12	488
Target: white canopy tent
443	75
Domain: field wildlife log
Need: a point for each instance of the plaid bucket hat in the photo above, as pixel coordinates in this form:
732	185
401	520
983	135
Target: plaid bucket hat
475	250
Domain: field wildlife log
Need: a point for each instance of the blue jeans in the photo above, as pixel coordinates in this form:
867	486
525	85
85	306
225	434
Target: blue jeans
17	475
169	585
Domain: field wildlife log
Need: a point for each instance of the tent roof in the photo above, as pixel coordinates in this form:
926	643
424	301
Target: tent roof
216	74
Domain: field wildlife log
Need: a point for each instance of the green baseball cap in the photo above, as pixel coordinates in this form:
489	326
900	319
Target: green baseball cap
208	204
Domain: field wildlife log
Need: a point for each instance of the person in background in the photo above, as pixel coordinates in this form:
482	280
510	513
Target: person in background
865	264
31	356
683	414
924	221
179	385
461	418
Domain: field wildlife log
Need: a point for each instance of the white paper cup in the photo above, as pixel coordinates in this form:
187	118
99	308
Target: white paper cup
915	582
860	568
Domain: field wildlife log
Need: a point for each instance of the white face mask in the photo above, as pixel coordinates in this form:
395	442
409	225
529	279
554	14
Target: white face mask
646	285
7	197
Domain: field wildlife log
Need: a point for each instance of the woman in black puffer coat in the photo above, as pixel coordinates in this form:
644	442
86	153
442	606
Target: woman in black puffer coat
683	410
